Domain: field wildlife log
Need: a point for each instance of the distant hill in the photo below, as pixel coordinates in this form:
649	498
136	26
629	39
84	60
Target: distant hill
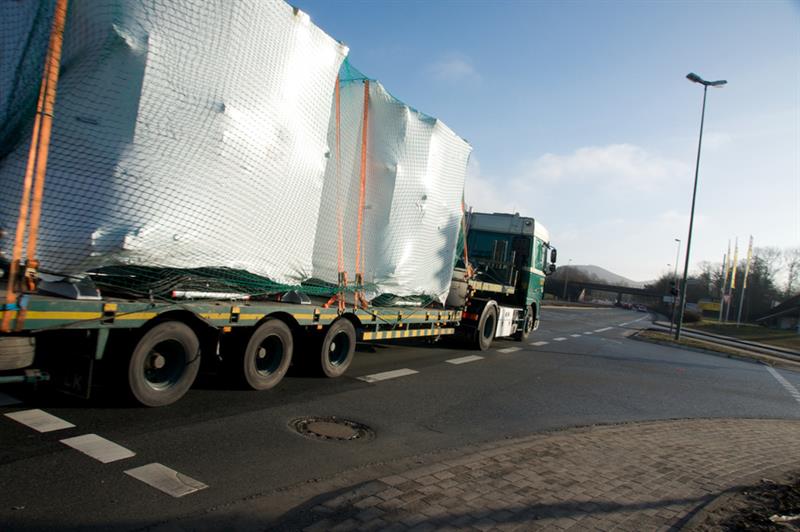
606	276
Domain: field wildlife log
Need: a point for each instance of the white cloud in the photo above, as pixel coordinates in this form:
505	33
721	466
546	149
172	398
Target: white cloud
615	165
716	140
480	192
453	67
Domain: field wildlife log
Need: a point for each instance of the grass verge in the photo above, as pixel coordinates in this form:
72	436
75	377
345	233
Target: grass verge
754	333
710	347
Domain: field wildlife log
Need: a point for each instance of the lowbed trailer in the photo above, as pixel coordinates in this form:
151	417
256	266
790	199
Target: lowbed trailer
163	342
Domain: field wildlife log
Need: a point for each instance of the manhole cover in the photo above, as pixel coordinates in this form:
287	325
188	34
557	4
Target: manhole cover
331	428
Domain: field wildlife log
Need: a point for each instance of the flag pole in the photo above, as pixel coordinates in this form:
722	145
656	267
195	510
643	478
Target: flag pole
744	282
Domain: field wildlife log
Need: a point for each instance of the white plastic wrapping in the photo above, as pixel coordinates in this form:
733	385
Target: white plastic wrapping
185	135
415	180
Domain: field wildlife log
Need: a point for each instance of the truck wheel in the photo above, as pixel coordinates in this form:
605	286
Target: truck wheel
338	348
486	328
267	355
164	364
527	327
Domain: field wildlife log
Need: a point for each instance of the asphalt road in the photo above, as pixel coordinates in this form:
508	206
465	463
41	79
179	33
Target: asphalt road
579	368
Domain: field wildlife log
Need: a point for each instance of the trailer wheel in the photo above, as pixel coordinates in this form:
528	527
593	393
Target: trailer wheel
267	355
486	328
338	348
164	364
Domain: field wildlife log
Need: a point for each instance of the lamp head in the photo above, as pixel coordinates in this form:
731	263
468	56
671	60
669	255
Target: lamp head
691	76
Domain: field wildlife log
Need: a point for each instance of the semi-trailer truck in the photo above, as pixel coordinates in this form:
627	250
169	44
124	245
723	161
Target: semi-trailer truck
155	346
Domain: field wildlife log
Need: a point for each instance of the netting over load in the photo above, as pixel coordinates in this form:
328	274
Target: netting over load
205	142
415	167
186	134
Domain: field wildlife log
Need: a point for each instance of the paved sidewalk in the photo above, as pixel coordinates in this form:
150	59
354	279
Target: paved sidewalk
638	476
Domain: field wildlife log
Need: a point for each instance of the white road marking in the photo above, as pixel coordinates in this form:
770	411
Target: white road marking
464	360
559	339
98	448
39	420
575	335
604	329
375	377
509	349
539	343
165	479
624	324
786	384
7	400
588	332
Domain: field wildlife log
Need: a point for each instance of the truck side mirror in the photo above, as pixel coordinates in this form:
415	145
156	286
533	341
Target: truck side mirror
552	268
553	256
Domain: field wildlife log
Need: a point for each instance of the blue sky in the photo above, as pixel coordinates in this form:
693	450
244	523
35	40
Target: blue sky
580	115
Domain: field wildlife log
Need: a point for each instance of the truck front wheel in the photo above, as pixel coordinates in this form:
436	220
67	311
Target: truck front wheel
527	326
164	364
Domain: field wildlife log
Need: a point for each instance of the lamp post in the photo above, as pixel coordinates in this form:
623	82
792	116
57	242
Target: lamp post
719	83
675	281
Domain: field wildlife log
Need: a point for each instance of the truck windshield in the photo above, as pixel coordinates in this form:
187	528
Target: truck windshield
497	256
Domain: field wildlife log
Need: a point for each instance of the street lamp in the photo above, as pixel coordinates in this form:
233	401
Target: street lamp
675	281
706	84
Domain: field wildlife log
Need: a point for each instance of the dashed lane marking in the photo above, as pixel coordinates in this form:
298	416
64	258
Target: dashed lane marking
575	335
604	329
786	384
588	333
509	349
98	448
7	400
464	360
539	343
165	479
559	339
39	420
386	375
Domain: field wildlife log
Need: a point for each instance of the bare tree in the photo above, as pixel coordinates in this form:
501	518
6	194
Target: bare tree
791	259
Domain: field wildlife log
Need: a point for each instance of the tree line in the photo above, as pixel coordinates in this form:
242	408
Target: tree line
764	290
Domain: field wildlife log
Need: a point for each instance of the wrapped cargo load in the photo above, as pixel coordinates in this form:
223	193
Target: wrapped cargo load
185	135
414	183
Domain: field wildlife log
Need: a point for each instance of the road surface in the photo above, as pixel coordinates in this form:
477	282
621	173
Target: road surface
219	448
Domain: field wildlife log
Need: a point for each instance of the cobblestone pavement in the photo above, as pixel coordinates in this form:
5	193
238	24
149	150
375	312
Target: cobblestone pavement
639	476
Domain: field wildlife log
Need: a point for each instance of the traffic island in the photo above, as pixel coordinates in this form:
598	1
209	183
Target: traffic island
633	476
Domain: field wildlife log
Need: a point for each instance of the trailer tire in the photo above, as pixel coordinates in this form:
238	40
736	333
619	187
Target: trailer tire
164	364
487	325
337	348
268	355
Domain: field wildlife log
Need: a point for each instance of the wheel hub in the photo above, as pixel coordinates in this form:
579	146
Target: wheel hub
157	361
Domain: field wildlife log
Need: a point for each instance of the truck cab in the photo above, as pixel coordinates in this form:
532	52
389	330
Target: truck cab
502	286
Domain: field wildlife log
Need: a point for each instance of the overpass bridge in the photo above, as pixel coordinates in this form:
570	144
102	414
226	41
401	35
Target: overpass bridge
574	288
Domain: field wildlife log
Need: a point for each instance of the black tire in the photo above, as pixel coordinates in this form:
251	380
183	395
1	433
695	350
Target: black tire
487	326
527	326
337	348
164	364
267	355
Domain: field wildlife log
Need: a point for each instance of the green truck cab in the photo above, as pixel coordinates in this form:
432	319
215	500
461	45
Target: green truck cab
502	286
